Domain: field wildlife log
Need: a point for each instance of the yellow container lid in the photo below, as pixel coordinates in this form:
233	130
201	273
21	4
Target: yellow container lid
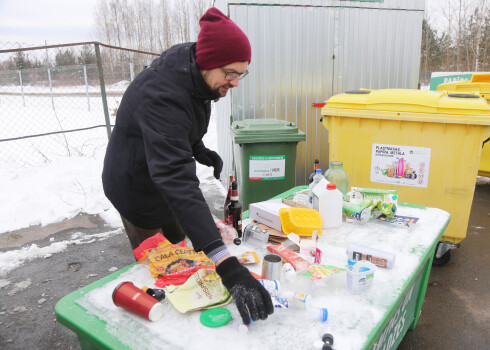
478	85
410	105
302	221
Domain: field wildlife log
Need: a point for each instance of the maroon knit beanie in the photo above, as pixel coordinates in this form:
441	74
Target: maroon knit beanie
220	41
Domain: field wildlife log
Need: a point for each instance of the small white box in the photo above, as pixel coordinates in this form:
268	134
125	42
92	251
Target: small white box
267	212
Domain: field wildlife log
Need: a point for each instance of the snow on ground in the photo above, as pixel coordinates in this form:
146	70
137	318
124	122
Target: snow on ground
60	187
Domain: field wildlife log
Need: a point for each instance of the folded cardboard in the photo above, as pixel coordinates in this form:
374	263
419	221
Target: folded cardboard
267	212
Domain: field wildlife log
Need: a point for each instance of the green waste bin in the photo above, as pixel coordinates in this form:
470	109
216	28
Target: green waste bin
265	157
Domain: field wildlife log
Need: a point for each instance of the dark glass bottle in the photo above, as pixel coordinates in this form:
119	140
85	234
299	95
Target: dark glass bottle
316	165
235	210
226	213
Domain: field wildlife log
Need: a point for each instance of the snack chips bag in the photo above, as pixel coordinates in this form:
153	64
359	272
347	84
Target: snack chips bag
170	263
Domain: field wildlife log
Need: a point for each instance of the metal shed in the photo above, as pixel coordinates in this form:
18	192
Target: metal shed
303	52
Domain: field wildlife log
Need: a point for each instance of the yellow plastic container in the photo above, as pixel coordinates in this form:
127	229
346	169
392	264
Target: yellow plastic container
478	85
437	139
302	221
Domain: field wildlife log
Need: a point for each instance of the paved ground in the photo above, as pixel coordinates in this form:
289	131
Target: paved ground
455	314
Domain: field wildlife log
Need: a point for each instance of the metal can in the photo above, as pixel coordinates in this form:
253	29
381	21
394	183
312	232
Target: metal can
356	211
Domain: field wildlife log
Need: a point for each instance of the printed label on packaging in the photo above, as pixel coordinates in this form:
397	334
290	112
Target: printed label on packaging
262	168
400	165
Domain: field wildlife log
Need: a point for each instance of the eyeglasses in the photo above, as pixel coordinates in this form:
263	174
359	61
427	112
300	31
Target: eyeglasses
232	75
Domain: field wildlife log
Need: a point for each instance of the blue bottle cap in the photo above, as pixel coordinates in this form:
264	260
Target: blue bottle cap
323	315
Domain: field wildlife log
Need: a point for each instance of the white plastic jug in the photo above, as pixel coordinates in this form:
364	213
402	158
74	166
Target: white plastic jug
329	204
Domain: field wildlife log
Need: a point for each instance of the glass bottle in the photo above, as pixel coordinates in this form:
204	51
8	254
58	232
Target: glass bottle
316	165
226	213
235	210
337	175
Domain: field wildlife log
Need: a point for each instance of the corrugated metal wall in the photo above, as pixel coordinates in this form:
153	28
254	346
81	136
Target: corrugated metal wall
306	53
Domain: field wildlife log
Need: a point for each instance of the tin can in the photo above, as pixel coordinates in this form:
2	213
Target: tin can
131	298
356	211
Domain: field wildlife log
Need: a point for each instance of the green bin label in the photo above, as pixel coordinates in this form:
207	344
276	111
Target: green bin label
399	322
263	168
400	165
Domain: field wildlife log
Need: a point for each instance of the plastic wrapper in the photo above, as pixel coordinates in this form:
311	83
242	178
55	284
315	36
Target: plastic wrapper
203	290
170	263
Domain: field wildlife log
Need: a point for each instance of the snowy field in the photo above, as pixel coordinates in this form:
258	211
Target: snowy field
39	182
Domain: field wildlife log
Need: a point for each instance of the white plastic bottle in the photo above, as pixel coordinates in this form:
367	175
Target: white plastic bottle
303	301
330	206
316	179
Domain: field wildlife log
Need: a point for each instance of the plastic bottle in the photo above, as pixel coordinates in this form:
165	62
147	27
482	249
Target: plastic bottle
377	257
316	179
316	165
228	232
235	210
303	301
337	175
228	199
330	206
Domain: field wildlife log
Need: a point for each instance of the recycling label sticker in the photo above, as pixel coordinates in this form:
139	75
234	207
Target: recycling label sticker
262	168
400	165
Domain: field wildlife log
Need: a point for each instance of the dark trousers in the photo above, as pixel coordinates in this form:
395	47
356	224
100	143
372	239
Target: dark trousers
172	231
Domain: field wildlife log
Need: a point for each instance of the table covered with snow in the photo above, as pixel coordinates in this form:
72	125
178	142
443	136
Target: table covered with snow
377	319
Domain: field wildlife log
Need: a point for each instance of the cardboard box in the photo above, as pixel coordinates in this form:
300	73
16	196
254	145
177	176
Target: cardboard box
267	212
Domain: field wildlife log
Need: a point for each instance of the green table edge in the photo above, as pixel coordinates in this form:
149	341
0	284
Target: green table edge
69	312
427	258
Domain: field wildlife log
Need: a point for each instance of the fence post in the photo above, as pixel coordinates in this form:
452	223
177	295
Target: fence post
50	87
102	90
86	86
131	71
22	88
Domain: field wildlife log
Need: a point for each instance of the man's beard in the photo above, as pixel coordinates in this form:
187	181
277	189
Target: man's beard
218	91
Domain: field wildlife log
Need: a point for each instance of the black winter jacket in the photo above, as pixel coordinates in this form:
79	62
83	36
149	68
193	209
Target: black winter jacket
149	170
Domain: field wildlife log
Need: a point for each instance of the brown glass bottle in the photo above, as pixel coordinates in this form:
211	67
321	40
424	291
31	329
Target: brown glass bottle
226	213
316	165
235	209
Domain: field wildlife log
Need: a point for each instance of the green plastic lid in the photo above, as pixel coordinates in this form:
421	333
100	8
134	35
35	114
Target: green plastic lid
216	317
266	130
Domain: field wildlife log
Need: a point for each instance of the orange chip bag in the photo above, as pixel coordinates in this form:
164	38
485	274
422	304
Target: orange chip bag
170	263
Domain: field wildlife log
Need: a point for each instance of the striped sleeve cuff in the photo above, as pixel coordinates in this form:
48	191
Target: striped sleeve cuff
218	253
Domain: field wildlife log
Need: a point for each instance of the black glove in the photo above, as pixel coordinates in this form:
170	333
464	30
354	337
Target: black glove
252	300
210	158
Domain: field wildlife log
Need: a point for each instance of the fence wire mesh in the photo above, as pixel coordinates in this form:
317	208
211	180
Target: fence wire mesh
61	100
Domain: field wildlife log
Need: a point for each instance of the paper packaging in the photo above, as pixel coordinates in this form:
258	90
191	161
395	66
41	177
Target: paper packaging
267	212
306	245
299	264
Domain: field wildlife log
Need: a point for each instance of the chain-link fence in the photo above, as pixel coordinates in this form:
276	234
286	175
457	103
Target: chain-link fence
61	100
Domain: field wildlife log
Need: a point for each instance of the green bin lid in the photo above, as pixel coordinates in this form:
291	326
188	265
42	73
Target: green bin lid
266	130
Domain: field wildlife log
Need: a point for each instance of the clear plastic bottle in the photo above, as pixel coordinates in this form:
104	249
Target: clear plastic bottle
316	179
228	232
338	176
303	301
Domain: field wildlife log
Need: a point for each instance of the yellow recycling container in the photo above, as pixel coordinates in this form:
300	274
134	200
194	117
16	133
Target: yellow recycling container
478	85
425	144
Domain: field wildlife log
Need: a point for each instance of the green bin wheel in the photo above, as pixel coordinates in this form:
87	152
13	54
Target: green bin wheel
443	260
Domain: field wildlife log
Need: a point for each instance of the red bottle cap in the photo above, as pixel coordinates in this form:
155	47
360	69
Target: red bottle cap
331	187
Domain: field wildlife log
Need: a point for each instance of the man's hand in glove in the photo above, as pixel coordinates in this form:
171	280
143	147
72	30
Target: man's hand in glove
252	300
210	158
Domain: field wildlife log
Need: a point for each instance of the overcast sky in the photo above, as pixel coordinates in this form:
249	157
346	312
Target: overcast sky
33	22
56	21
